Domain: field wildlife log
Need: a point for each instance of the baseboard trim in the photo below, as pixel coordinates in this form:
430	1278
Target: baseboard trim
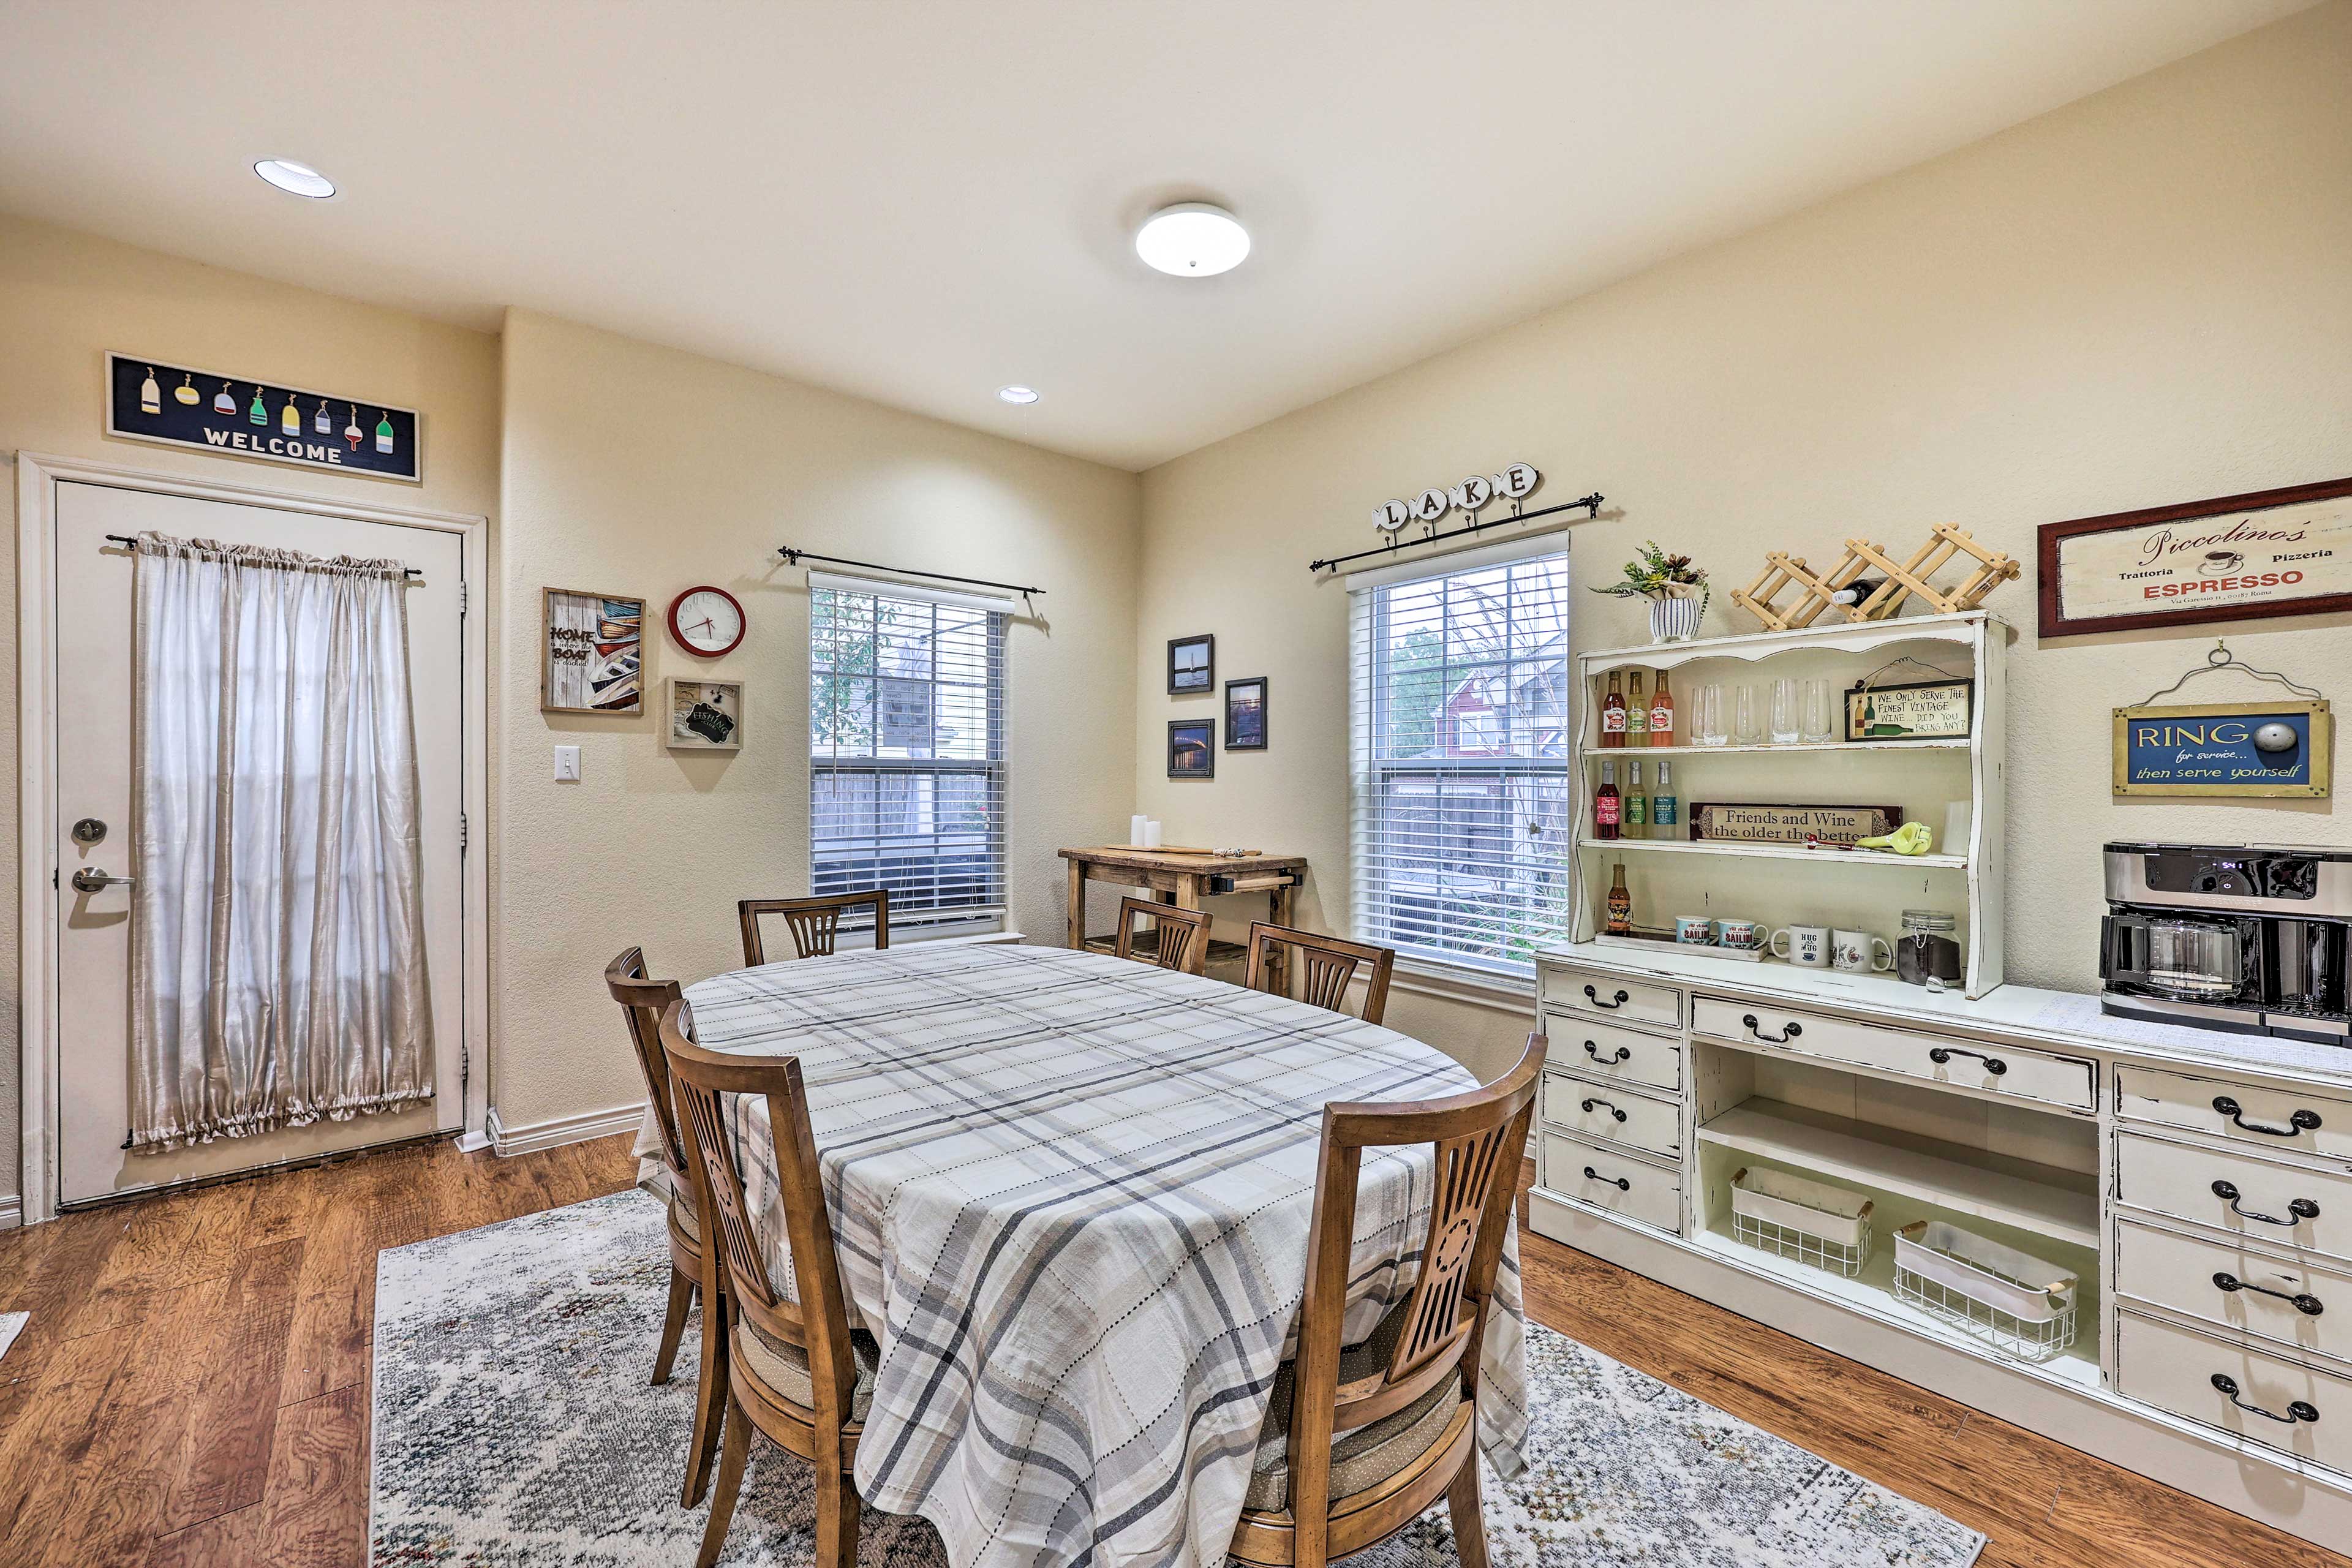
529	1139
12	1213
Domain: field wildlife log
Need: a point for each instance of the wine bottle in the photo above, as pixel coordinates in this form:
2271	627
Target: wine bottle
1637	714
384	434
1606	805
1612	715
1661	720
1620	905
259	412
151	396
1855	592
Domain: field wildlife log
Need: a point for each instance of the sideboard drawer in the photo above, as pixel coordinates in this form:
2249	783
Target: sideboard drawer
2287	1205
2175	1369
1594	993
2223	1282
1605	1111
2014	1070
1607	1051
2294	1122
1617	1182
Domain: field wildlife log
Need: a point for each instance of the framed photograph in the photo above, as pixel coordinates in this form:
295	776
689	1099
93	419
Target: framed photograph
1192	748
2279	750
1245	714
1927	710
704	716
591	653
2235	558
1191	665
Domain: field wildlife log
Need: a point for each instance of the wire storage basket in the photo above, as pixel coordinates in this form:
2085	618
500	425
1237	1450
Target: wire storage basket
1798	1218
2011	1300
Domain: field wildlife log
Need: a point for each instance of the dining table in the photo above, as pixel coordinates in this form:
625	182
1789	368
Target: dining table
1070	1194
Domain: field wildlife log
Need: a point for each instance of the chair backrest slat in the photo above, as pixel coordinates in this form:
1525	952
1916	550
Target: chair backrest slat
815	923
1180	937
642	1001
1325	965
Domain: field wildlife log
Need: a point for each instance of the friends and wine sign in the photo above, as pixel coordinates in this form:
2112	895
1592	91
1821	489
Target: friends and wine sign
236	417
2270	552
2276	749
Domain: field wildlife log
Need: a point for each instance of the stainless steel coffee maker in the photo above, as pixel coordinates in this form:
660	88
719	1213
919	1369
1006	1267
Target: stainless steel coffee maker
2250	937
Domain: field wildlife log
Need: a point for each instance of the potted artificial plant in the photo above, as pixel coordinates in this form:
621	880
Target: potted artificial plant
1676	590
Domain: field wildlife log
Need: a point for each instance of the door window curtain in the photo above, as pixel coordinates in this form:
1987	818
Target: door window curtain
278	939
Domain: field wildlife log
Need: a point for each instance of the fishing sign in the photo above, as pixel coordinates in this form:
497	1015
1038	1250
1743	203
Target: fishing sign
237	417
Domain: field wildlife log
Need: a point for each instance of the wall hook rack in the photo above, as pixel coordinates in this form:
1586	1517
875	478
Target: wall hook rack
1590	505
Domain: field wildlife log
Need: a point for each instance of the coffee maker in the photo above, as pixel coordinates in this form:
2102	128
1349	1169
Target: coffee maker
2247	937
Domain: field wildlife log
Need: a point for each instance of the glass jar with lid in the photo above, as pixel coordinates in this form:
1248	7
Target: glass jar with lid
1928	950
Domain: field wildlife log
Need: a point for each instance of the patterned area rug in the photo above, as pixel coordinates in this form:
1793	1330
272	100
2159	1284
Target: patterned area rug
11	1325
514	1425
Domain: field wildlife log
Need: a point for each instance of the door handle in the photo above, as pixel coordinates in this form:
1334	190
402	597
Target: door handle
90	879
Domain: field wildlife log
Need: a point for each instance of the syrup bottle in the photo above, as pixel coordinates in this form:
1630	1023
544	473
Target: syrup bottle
1612	715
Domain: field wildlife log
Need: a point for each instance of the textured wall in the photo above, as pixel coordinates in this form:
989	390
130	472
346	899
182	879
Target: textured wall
66	299
2143	298
637	469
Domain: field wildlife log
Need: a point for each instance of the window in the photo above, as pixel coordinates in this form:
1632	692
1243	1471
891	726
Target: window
907	748
1462	830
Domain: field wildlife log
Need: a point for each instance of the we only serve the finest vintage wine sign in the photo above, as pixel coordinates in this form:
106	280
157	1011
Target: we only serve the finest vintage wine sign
2273	552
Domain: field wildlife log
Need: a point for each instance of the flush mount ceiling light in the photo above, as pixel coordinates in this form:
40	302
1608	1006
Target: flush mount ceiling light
1192	239
1017	394
298	179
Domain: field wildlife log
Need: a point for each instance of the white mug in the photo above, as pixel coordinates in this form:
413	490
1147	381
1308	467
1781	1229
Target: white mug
1858	949
1807	945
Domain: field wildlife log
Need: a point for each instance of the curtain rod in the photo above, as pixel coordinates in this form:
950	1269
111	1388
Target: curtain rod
128	543
796	556
1591	504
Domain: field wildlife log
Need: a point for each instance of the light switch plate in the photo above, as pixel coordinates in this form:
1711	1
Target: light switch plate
567	764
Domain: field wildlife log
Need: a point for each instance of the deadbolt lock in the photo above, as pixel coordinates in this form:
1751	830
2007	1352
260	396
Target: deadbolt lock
90	830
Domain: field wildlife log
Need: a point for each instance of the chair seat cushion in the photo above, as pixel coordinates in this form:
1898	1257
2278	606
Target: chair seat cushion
1364	1458
674	1190
784	1367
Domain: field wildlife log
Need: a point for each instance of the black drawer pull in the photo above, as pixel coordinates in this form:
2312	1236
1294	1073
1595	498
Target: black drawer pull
1594	997
2296	1412
1942	1055
2301	1208
1782	1038
2301	1121
1589	1103
2308	1305
1620	1183
1594	1052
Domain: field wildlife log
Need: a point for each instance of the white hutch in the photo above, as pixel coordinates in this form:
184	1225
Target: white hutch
2194	1186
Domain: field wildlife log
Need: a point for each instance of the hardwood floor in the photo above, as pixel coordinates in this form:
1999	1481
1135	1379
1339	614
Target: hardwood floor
193	1387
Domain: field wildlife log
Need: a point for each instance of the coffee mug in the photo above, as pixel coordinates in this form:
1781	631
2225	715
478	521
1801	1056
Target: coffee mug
1808	946
1695	930
1742	934
1858	949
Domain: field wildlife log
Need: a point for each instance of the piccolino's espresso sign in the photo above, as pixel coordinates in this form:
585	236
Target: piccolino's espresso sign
2273	553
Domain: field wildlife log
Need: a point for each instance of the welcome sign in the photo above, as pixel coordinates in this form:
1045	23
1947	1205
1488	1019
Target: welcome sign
2278	749
237	417
2273	553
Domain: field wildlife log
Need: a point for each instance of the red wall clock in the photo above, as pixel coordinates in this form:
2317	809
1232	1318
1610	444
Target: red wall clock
706	621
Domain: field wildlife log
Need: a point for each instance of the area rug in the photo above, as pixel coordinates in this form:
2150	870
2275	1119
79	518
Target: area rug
11	1325
514	1427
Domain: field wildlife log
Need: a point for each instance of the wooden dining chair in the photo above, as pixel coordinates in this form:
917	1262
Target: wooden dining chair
642	1001
798	1374
1180	937
1360	1440
1328	965
814	923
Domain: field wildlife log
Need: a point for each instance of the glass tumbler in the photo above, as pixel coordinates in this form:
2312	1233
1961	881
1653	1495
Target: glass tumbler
1706	717
1817	711
1746	716
1784	712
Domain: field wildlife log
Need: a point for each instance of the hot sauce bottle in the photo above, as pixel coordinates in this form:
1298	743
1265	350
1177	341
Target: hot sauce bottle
1612	715
1606	804
1620	905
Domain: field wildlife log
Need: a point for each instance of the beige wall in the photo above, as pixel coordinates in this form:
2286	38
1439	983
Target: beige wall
2143	298
638	470
66	299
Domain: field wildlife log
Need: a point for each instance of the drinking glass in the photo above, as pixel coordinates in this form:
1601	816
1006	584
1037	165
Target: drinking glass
1706	716
1785	727
1817	710
1746	716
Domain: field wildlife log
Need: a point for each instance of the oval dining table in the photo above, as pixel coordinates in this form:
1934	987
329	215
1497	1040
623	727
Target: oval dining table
1071	1197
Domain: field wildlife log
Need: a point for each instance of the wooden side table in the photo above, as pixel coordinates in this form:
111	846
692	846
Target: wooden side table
1184	881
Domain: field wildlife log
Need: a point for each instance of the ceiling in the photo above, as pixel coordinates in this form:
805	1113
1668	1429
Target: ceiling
919	200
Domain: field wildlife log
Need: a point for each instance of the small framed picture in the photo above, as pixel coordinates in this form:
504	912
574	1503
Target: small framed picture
1192	748
591	653
704	716
1191	665
1928	711
1245	714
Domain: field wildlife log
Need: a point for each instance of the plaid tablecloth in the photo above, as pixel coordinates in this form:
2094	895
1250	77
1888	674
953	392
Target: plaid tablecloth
1071	1197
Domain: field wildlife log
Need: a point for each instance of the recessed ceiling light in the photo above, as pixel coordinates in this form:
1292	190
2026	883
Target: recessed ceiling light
300	179
1192	239
1017	394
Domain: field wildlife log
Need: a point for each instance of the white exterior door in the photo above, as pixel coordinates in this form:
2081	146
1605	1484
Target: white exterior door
92	761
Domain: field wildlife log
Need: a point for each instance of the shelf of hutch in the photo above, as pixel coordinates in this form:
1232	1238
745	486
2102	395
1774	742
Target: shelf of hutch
2044	1199
1760	748
1778	852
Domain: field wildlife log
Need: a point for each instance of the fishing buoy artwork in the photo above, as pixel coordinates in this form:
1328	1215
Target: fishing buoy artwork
248	418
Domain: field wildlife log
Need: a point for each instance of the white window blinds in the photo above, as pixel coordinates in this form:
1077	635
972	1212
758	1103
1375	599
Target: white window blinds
907	748
1460	698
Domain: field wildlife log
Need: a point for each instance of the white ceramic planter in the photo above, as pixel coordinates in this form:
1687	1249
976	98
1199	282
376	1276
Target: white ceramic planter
1675	619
